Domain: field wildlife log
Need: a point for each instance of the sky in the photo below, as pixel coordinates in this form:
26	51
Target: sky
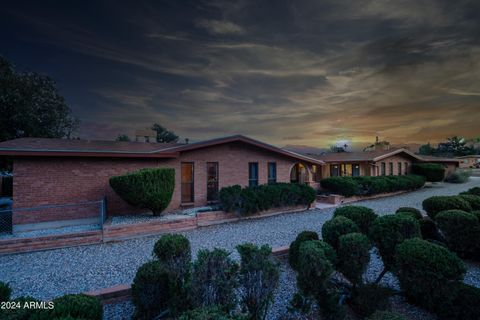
304	72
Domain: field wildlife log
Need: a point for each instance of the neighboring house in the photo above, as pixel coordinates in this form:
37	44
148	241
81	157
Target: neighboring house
470	161
60	171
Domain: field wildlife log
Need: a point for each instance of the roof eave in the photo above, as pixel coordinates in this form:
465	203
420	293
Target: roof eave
29	153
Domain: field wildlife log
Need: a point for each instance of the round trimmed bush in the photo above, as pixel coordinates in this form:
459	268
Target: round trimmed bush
362	216
461	230
294	249
429	230
415	212
434	205
432	172
465	304
336	227
368	298
475	191
386	315
150	188
389	231
173	250
206	313
78	306
353	256
473	200
5	291
426	271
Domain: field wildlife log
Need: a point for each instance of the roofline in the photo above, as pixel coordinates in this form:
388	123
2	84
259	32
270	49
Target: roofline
470	156
96	154
394	152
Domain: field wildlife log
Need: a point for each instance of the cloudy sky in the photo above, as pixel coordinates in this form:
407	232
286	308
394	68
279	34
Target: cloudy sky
286	72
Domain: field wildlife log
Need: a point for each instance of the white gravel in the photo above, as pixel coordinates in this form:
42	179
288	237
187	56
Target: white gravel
53	273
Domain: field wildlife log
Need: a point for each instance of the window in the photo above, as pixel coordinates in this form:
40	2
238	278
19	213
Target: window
383	169
317	173
212	181
272	172
406	167
390	168
400	169
334	170
252	174
187	182
355	170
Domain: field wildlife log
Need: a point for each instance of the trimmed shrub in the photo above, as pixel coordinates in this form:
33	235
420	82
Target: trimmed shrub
214	279
415	212
465	305
458	176
230	197
78	306
426	271
461	230
153	290
429	230
353	256
336	227
173	250
435	204
259	276
389	231
362	216
5	291
293	251
345	186
473	200
368	298
206	313
150	188
475	191
433	172
386	315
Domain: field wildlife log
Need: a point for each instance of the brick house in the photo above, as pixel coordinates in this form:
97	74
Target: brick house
470	161
60	171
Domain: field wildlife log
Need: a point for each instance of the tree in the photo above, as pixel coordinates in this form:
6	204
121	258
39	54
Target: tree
31	106
164	135
122	137
427	150
458	146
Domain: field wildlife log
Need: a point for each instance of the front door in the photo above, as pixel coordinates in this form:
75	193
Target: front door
212	181
187	182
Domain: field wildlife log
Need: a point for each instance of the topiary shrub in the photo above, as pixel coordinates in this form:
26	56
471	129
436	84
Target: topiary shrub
386	315
147	188
153	290
429	230
465	304
458	176
214	279
461	230
473	200
294	249
475	191
427	271
432	172
173	250
389	231
353	256
415	212
5	291
78	306
206	313
345	186
259	276
362	216
336	227
435	204
368	298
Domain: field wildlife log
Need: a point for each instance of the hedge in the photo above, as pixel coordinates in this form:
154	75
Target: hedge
150	188
362	216
250	200
475	191
77	306
435	204
336	227
473	200
432	172
360	186
461	230
206	313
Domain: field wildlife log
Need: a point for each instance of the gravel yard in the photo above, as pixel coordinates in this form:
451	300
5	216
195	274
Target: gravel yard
48	274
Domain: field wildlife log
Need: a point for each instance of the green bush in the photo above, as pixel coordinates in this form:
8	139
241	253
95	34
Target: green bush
173	250
259	276
429	230
386	315
253	199
147	188
475	191
206	313
465	304
6	291
345	186
353	256
461	230
336	227
415	212
362	216
435	204
214	279
78	306
153	290
458	176
294	249
433	172
426	271
368	298
389	231
473	200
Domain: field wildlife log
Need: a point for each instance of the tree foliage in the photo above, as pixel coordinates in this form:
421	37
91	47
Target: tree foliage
163	134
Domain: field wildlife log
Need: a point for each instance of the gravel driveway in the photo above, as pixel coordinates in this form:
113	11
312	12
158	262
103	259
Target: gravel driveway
48	274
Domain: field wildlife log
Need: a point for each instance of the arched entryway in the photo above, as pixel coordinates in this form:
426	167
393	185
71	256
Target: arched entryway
299	174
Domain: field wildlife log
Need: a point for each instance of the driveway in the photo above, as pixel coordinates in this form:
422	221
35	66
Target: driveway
48	274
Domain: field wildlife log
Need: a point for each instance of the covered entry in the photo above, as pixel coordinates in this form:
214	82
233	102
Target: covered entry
299	174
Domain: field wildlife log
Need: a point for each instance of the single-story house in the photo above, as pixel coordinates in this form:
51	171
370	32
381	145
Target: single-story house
61	171
470	161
